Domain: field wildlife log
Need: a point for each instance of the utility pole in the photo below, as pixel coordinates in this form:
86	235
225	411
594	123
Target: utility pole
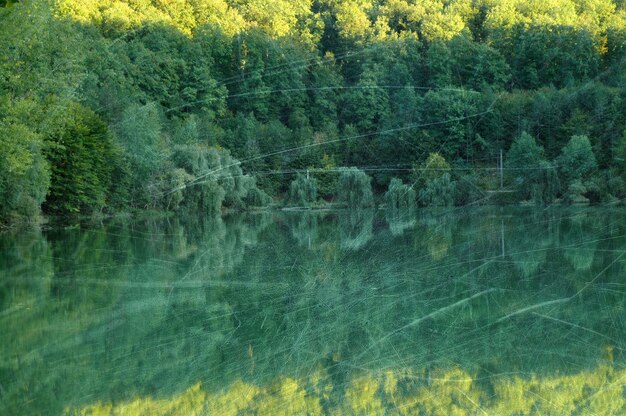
501	171
502	237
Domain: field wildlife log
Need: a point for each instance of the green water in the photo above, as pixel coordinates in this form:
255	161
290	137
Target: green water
485	311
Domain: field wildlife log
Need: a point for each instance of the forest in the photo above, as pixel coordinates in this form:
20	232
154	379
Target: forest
207	106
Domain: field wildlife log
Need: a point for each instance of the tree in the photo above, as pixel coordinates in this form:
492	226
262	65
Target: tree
302	191
451	114
528	169
82	156
24	172
366	105
399	196
355	188
478	66
438	192
434	167
435	184
577	161
438	65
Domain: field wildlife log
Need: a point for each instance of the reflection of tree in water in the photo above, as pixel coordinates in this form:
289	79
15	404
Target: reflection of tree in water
277	314
304	227
434	232
577	245
106	294
218	245
400	220
528	238
355	228
27	269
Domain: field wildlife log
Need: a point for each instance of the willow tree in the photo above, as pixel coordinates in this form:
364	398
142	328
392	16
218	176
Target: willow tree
355	188
400	201
433	178
212	179
302	191
399	196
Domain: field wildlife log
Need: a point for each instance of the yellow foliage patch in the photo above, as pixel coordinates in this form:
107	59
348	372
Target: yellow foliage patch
400	392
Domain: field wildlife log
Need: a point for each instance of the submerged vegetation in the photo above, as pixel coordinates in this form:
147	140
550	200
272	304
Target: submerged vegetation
117	105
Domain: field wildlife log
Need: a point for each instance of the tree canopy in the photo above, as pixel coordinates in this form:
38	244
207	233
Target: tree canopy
100	99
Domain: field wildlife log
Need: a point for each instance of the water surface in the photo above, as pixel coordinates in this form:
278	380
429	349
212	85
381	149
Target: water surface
485	311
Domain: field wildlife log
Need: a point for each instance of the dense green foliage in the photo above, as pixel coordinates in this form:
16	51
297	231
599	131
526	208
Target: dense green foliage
82	158
354	189
435	184
302	192
24	173
399	196
283	86
532	176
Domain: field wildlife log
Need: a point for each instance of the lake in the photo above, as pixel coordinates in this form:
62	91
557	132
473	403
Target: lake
468	311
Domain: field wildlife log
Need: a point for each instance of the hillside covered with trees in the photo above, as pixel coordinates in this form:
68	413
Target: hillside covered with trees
122	105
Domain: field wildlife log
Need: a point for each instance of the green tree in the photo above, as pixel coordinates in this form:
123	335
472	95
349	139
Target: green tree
399	196
140	134
302	191
354	188
434	167
82	156
24	172
435	184
366	105
438	192
577	160
525	163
